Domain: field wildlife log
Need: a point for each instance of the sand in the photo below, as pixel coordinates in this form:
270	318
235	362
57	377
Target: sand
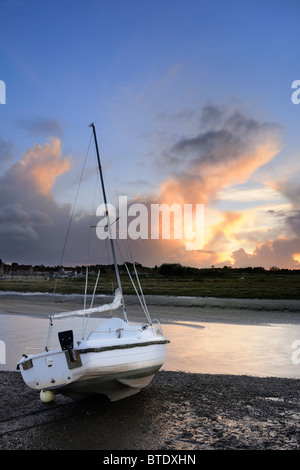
166	308
177	411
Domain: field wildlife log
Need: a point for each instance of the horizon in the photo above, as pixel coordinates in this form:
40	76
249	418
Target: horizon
156	267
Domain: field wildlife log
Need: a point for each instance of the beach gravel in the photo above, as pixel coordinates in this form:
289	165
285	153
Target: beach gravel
177	411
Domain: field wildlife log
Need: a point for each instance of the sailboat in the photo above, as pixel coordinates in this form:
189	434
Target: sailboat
116	359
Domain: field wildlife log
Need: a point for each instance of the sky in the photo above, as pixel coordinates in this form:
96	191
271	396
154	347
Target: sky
192	103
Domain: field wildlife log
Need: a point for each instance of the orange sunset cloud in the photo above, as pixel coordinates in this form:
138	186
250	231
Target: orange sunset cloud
227	158
41	165
201	181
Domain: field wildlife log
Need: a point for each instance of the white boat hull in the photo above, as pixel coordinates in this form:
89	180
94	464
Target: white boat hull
105	364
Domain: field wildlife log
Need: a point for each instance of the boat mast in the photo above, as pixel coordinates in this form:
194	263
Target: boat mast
106	210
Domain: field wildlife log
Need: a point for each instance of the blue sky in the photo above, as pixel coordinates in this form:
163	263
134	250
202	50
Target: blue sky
145	71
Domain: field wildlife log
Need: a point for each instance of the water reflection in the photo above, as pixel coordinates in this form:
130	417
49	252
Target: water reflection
20	332
259	350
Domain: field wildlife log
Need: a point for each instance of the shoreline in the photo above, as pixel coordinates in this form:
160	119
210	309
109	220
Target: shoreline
168	309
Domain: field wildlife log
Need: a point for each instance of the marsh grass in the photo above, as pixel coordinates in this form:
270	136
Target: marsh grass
265	285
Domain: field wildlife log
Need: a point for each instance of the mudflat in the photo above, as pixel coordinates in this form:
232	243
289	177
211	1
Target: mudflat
177	411
165	308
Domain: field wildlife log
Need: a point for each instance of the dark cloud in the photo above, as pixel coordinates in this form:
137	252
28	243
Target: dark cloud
230	135
6	153
181	115
205	146
16	234
293	221
291	190
228	148
32	223
15	213
40	126
278	253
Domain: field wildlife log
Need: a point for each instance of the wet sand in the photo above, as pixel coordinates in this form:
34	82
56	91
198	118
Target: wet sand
177	411
167	309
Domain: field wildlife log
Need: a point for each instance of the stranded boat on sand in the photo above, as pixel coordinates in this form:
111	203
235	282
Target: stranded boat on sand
116	359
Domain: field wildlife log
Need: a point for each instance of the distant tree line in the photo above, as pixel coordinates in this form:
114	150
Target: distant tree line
177	270
164	270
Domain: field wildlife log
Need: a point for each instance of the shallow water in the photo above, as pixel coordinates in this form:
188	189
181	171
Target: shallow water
215	348
257	350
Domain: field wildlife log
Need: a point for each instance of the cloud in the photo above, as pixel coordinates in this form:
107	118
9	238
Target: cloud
292	220
257	194
16	213
40	126
38	168
32	223
6	153
228	152
290	189
222	231
18	234
280	253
